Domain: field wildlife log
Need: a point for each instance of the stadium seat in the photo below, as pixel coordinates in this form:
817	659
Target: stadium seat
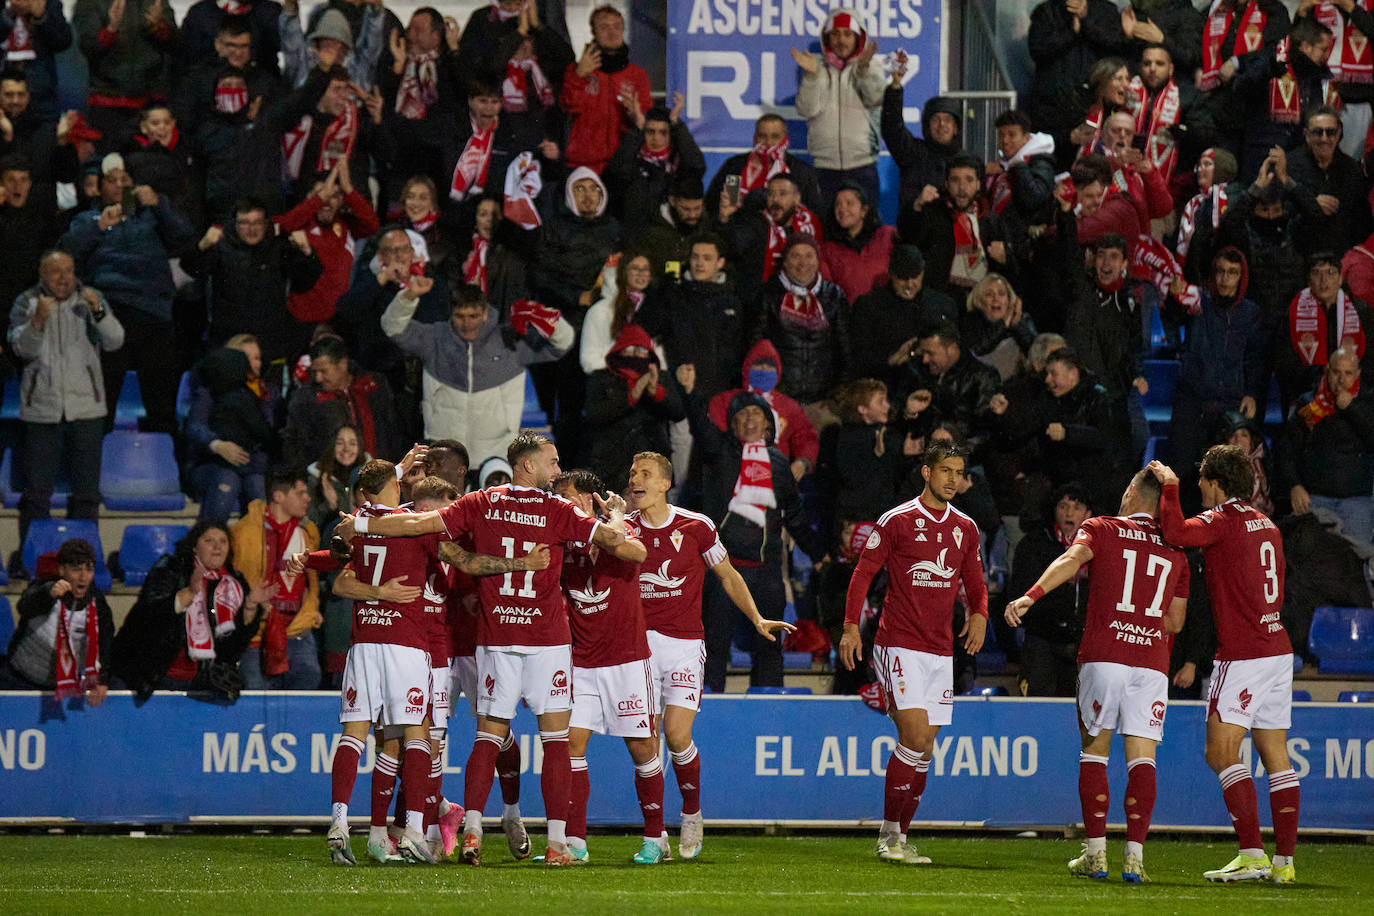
129	408
781	691
990	691
138	473
141	547
6	624
992	661
47	534
1302	696
9	410
1342	638
183	398
9	491
796	661
1162	376
739	658
532	417
1297	663
1356	696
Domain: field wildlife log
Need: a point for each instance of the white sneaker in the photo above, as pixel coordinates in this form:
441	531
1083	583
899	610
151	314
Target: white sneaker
689	839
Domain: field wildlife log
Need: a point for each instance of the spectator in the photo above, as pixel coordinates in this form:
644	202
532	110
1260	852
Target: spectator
1327	457
251	272
793	434
618	307
1222	367
750	511
629	407
1247	434
481	149
597	89
839	95
1106	92
1201	216
194	617
202	33
495	39
230	429
1172	116
33	33
282	655
1066	38
1173	25
1276	95
157	157
353	34
994	327
331	479
1334	183
757	231
949	385
334	218
27	132
1195	646
961	241
1049	656
667	234
920	160
1357	268
1008	460
494	261
653	152
127	46
239	143
755	168
494	472
420	211
124	254
338	394
60	327
196	93
892	315
1145	185
28	227
474	364
65	629
325	126
1099	206
862	456
1321	319
1020	183
423	96
857	245
806	317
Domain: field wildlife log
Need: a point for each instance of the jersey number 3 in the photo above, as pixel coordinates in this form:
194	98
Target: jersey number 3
1156	566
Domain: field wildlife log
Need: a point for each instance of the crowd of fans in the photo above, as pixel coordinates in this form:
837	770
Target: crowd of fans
357	234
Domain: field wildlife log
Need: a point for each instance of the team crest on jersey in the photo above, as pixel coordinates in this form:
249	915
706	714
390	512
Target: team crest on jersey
958	537
874	540
920	522
676	539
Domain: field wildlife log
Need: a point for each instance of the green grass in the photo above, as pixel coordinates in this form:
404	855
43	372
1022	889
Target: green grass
250	875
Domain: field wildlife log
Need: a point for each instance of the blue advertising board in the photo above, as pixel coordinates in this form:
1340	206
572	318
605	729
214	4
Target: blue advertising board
770	759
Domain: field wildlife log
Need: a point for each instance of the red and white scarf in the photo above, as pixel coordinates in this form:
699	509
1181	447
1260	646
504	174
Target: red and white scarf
803	220
1151	119
520	74
763	163
523	184
800	306
200	630
19	43
999	185
1249	37
234	7
1323	404
1152	260
419	85
1095	118
851	22
1285	101
171	143
337	143
230	99
1307	326
970	263
70	681
753	494
280	542
663	157
475	264
1351	60
470	175
1187	222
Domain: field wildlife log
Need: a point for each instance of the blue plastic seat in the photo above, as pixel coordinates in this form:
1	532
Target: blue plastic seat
183	398
47	534
141	547
992	661
138	473
739	658
1342	638
989	691
796	661
781	691
1297	663
532	417
6	624
129	408
1162	375
1356	696
1302	696
10	493
9	410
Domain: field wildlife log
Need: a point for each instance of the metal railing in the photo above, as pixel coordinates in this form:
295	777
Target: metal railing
985	90
980	109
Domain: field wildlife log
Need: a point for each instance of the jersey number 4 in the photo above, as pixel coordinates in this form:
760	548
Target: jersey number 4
1155	565
508	581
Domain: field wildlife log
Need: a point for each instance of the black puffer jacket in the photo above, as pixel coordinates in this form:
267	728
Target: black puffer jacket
1096	439
921	161
887	321
1058	617
1064	58
932	230
703	323
572	251
638	187
618	430
1334	458
1104	328
812	358
959	396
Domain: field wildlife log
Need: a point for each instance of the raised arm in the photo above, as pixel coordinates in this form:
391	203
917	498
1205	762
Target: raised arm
1181	532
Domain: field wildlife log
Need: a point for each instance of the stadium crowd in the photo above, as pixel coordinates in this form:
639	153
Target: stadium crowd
357	234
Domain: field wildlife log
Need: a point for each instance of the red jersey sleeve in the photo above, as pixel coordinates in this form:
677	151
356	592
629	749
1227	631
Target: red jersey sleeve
459	517
569	523
1199	531
971	575
321	561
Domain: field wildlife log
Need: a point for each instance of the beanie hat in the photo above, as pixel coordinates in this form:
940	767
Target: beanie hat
332	25
906	262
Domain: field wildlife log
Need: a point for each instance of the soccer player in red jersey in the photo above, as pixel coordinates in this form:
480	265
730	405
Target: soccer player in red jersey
681	546
1252	685
929	549
1138	592
611	675
524	647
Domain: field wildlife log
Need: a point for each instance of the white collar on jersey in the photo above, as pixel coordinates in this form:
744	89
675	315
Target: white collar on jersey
380	506
1144	515
672	514
920	504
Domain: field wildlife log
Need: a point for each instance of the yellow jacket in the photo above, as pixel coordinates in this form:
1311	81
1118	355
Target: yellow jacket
245	536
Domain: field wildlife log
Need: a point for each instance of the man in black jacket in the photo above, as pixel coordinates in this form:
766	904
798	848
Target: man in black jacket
28	227
806	317
920	160
769	157
652	154
950	385
250	271
891	316
1334	184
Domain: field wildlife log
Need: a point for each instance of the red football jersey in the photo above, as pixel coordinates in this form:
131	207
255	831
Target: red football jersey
672	575
604	608
521	608
377	560
463	611
927	559
438	584
1135	577
1243	555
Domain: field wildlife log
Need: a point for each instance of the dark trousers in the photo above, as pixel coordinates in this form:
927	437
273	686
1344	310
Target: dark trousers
150	350
73	445
1050	669
723	622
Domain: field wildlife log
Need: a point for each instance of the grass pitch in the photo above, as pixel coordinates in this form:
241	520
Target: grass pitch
292	874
